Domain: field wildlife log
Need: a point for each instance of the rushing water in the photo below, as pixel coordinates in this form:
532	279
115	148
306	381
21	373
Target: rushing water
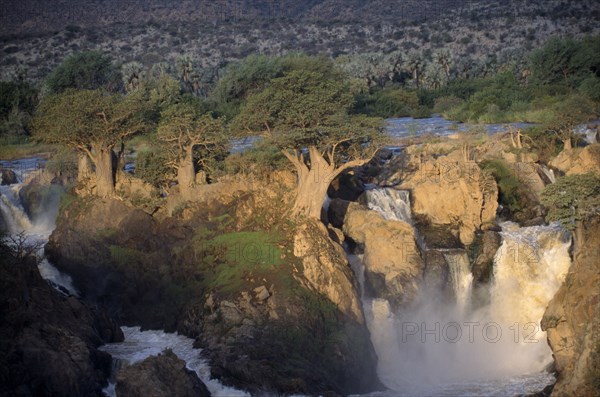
34	231
437	347
441	347
139	345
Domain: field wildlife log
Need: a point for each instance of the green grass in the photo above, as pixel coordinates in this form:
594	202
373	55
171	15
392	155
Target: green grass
237	256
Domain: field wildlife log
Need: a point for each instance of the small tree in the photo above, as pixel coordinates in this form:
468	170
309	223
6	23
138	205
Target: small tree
572	198
306	114
567	115
184	127
85	71
91	122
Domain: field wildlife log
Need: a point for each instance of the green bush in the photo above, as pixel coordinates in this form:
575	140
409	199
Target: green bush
510	189
387	103
572	198
152	167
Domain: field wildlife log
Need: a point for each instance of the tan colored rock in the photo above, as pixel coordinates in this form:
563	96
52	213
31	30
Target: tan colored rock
454	193
578	160
326	269
392	260
572	319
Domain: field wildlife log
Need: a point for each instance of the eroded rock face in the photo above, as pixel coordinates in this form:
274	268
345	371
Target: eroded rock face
452	192
578	161
265	323
572	319
326	270
48	343
393	264
164	375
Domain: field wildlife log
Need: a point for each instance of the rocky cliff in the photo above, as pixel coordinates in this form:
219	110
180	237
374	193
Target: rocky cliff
272	303
572	318
48	342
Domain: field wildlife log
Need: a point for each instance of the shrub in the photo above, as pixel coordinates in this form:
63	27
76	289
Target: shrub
510	189
572	198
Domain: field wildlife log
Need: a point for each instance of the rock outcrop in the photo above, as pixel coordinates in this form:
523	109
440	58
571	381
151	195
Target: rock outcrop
393	264
266	318
8	177
451	192
48	343
578	160
326	270
572	319
164	375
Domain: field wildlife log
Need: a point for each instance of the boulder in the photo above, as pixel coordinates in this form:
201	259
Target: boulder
8	177
393	264
164	375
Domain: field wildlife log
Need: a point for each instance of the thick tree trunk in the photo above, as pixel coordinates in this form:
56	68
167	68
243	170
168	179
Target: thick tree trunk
314	180
84	168
567	144
186	175
105	182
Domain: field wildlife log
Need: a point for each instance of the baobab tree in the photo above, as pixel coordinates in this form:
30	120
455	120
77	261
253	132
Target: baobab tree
92	122
306	114
184	127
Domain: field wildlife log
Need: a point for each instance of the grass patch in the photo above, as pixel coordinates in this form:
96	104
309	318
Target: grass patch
232	258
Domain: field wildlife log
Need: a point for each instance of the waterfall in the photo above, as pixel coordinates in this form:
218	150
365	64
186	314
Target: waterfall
36	234
529	267
393	204
548	173
139	345
461	277
437	346
11	210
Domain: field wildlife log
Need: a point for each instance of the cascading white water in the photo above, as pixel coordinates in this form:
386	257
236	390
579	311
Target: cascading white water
529	268
460	277
393	204
139	345
445	348
11	211
548	173
36	232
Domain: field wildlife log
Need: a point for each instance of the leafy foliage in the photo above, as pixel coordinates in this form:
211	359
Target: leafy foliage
84	71
307	108
572	198
152	166
511	191
82	119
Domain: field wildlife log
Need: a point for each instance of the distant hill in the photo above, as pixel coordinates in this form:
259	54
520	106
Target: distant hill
35	16
37	35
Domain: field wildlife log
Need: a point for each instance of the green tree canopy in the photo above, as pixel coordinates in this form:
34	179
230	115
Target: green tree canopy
184	127
567	114
572	198
92	122
566	60
305	113
89	70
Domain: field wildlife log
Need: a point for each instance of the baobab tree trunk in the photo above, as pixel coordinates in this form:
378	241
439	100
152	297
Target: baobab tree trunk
314	180
84	167
105	181
567	144
186	175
